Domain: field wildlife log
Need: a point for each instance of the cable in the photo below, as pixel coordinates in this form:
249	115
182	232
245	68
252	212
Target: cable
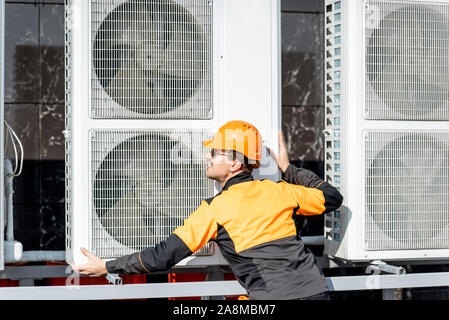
14	135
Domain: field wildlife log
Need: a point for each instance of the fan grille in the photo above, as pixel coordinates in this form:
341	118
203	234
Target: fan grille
406	56
151	59
144	184
407	190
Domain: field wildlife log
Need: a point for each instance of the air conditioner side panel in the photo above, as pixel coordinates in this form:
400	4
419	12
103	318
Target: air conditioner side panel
77	128
248	65
344	124
2	203
343	108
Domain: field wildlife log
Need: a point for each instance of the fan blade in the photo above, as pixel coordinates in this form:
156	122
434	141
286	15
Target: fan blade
180	198
152	43
108	61
124	220
147	92
184	53
149	56
132	89
132	224
175	91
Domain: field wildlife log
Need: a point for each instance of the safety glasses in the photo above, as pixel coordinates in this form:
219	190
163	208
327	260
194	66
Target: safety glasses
215	152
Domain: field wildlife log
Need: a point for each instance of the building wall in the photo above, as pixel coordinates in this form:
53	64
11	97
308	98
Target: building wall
302	93
34	107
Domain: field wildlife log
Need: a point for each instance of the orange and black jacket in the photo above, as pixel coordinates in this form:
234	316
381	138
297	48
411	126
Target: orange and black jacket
252	223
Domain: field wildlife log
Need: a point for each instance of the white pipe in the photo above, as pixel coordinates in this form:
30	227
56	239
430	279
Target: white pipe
33	256
13	136
13	251
313	240
8	200
14	254
2	116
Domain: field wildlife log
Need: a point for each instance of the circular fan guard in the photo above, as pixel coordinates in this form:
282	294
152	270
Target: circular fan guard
149	56
407	190
407	60
130	190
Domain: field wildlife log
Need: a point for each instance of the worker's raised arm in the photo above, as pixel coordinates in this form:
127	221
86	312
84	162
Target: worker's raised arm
314	195
197	230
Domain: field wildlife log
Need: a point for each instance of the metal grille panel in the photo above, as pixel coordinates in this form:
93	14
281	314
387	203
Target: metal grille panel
407	69
406	190
151	59
68	115
144	184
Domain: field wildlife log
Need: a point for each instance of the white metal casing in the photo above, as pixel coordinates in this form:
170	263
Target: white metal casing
246	86
2	85
349	127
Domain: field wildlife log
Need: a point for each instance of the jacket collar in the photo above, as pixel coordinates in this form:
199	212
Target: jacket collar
241	177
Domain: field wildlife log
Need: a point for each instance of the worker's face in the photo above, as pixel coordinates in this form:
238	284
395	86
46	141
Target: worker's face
218	164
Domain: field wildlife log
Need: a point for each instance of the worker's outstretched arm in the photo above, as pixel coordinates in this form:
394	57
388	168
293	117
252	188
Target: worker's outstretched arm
161	257
158	258
197	230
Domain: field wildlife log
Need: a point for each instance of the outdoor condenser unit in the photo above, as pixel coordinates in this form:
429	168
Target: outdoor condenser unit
146	82
387	129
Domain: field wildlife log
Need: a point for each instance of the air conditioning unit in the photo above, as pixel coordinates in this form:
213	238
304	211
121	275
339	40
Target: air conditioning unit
387	129
146	82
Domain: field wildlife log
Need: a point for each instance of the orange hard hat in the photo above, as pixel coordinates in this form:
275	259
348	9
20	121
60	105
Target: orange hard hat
239	136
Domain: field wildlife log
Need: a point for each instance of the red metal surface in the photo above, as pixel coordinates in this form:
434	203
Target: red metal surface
191	277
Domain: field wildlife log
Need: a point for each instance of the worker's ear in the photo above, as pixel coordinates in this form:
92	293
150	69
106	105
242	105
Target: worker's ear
236	165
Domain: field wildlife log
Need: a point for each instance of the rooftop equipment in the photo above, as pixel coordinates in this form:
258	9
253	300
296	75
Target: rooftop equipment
387	129
146	82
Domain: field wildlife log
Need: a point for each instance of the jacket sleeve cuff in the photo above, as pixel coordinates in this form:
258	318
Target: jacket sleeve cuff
129	264
333	198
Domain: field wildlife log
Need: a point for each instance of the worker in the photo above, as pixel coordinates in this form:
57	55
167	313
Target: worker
250	220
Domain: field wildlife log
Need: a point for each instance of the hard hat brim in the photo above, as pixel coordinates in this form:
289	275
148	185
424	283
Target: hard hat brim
210	144
238	136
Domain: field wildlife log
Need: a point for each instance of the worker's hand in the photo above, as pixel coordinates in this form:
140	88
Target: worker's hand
281	158
94	265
